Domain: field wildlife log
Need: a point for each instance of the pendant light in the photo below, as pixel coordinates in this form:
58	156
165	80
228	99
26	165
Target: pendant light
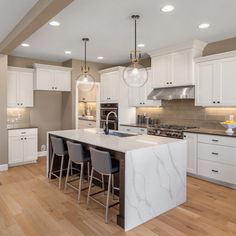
135	75
85	80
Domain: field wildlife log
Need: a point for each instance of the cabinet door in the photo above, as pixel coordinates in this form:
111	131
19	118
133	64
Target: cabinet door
105	93
191	152
15	150
25	89
44	79
30	148
161	71
227	82
12	89
204	84
181	68
133	96
62	80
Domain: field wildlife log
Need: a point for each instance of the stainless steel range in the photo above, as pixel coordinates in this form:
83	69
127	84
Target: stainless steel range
171	131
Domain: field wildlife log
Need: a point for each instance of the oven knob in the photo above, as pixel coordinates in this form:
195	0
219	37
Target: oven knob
158	132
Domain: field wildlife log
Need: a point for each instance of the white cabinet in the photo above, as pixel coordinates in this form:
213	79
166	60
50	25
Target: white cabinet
83	124
20	87
212	157
174	66
215	80
110	86
138	96
132	129
52	78
191	152
22	146
90	96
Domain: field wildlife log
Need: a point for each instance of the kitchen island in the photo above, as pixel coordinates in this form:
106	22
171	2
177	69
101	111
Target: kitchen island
152	175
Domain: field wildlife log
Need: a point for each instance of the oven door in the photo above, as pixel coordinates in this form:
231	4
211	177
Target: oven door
112	124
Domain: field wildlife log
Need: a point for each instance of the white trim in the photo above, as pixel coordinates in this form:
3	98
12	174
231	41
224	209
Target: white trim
23	69
111	69
42	154
4	167
50	67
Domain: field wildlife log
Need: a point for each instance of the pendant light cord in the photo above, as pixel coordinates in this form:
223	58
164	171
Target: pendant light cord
135	38
85	54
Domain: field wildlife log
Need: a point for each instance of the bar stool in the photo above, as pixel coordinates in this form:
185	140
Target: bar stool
103	164
59	151
76	156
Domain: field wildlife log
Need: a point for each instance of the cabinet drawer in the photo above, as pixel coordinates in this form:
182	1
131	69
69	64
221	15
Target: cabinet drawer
219	140
217	153
133	129
217	171
18	132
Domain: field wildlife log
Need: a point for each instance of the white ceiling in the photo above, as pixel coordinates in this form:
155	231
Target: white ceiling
107	24
11	12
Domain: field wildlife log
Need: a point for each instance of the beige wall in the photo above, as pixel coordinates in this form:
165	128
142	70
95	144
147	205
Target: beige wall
3	110
47	110
68	100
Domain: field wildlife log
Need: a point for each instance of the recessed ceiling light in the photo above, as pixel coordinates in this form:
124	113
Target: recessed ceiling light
141	45
204	26
167	8
100	58
54	23
68	52
25	45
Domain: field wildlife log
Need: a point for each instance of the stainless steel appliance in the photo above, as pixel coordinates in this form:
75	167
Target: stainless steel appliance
105	108
170	131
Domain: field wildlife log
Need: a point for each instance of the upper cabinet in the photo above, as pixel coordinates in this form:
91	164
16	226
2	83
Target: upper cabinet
85	96
20	87
52	78
174	66
138	96
110	86
215	77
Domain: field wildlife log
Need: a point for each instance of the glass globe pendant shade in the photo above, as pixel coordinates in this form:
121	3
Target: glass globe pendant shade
135	75
85	82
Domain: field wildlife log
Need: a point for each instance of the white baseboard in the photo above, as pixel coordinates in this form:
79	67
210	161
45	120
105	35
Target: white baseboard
4	167
42	154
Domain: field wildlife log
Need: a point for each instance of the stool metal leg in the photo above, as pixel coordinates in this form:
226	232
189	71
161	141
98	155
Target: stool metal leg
103	185
80	180
112	187
67	173
108	195
60	178
51	167
88	166
90	185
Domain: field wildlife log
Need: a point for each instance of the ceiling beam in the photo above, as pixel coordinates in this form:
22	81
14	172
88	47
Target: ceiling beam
40	14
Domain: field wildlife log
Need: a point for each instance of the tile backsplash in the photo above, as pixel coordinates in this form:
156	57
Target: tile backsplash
18	117
184	112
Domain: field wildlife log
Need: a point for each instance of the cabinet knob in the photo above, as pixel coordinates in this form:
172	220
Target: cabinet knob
218	101
185	136
170	82
21	104
55	87
25	138
167	82
21	139
214	102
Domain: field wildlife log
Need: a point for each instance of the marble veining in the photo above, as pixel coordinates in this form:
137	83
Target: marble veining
155	181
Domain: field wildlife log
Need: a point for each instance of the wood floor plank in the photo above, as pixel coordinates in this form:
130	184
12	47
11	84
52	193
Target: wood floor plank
30	205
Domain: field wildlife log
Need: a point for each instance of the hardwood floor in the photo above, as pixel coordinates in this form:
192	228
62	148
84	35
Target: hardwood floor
30	205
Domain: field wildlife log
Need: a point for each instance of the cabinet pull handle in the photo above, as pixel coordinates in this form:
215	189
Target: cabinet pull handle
215	171
142	130
215	140
215	153
128	129
23	132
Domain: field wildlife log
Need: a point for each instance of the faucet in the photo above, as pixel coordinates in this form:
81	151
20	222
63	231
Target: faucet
106	129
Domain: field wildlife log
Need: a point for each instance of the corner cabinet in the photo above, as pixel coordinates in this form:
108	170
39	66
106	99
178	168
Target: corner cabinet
20	87
174	66
138	96
215	79
22	146
52	78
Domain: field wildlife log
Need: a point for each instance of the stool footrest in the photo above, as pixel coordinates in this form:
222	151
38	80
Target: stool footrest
97	201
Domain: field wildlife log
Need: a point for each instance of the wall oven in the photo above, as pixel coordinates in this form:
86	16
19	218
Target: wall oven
112	121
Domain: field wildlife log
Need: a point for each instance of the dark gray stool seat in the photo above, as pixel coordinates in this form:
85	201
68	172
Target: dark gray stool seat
58	151
77	156
103	164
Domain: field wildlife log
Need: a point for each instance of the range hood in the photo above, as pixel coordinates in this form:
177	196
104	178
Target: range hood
183	92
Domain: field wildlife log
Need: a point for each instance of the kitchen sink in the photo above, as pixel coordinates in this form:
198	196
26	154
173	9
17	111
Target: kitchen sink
121	134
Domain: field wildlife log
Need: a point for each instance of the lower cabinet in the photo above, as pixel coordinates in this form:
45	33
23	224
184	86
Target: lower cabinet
83	124
132	129
22	146
212	157
191	152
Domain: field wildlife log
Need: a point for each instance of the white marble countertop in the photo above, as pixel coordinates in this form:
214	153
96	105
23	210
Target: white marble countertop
96	137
